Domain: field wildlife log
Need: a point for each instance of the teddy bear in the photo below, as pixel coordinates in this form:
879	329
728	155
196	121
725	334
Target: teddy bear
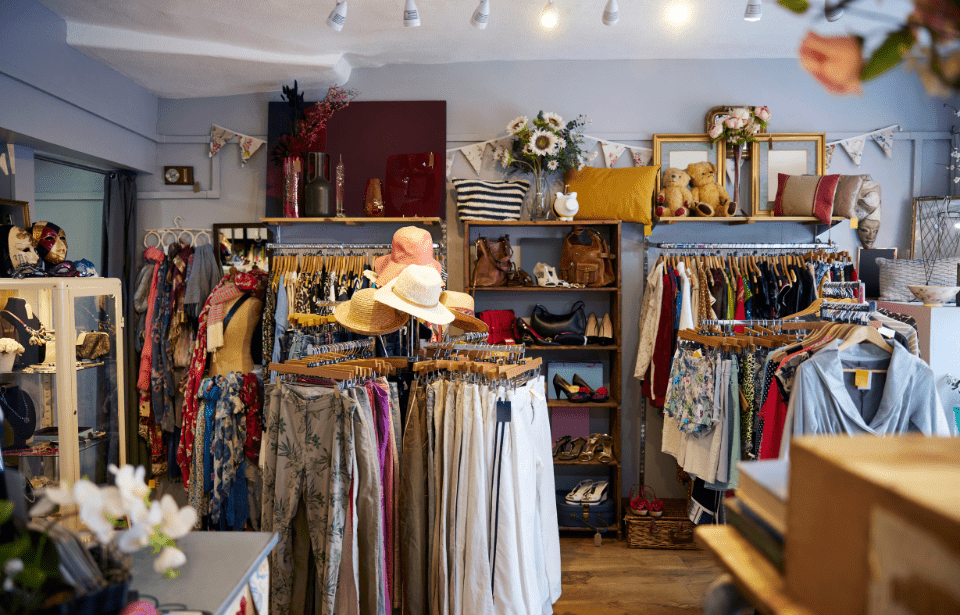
675	198
709	197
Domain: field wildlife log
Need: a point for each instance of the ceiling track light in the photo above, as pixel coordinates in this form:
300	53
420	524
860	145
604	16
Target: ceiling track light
754	10
338	16
481	16
411	16
549	17
611	13
832	12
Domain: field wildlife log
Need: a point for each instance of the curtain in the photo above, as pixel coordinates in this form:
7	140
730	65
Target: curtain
119	260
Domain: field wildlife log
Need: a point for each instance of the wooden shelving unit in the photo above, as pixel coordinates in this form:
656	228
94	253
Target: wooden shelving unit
350	221
746	220
611	355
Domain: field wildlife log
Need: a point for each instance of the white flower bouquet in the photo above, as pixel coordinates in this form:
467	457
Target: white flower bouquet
741	126
10	345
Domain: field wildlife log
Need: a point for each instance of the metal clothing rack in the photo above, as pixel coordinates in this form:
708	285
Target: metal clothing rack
362	345
281	247
804	247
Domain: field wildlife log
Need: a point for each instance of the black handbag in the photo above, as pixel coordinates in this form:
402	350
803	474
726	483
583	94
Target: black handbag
550	325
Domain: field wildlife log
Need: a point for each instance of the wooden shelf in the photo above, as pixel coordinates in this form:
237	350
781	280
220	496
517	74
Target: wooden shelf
609	528
753	574
747	220
544	223
573	462
595	347
558	403
350	221
544	289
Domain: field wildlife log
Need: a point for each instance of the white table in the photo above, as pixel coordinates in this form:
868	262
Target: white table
219	565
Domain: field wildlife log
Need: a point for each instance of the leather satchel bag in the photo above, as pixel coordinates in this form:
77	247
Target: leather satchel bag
493	262
550	325
588	264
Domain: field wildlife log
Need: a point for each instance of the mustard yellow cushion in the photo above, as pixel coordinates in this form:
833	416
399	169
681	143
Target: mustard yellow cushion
617	194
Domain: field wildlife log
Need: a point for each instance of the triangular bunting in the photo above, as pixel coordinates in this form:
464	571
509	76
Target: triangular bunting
248	147
641	156
830	149
854	148
218	137
884	139
612	152
450	157
474	153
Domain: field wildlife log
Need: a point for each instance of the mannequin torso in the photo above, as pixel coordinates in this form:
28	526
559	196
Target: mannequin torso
234	355
17	316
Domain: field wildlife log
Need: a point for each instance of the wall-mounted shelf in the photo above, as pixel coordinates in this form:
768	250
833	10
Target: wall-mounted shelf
576	462
562	403
350	221
544	223
747	220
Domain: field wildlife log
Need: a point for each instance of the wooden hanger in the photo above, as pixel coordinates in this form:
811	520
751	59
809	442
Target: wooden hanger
865	333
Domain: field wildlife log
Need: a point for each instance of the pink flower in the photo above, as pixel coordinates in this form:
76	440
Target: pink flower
833	61
762	113
741	113
734	123
716	131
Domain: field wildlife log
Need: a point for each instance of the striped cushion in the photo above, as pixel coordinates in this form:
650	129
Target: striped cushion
490	200
806	195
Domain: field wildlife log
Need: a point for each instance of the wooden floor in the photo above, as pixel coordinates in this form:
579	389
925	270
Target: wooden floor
616	580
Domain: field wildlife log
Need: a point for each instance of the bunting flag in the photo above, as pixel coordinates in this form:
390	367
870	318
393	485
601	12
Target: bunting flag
854	148
830	149
884	139
248	147
474	154
641	156
218	137
450	158
612	152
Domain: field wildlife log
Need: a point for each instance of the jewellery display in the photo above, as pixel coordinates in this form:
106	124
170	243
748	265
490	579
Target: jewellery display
37	336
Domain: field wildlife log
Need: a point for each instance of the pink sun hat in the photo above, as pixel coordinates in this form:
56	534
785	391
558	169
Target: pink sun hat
412	245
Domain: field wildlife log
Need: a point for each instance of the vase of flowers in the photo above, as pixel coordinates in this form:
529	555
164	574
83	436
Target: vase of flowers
541	147
120	519
738	130
9	349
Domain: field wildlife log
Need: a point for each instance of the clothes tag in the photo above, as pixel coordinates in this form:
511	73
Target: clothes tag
862	378
854	222
886	332
537	394
647	230
504	411
698	354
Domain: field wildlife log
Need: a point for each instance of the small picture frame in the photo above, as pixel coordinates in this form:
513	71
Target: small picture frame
16	213
791	153
867	270
680	150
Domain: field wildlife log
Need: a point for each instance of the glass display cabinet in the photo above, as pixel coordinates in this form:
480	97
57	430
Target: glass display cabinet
61	398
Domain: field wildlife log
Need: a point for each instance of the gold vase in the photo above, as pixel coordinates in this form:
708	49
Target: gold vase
373	203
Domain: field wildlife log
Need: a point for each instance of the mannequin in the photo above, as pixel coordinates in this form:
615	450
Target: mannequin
18	315
238	334
19	413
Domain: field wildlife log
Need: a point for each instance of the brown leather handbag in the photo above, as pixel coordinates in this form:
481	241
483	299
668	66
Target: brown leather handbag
589	264
493	262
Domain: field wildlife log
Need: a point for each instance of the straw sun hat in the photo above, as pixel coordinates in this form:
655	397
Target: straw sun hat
461	304
416	291
363	314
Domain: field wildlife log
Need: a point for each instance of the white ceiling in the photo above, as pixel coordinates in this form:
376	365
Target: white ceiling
179	49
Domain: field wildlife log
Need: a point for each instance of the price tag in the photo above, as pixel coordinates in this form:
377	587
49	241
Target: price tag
886	332
862	378
504	411
854	222
647	230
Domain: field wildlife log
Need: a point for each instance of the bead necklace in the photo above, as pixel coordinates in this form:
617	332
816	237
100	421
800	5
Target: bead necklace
37	336
23	402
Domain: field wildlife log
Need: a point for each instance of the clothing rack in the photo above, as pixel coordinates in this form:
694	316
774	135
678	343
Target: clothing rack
475	336
848	307
178	232
805	247
449	345
282	247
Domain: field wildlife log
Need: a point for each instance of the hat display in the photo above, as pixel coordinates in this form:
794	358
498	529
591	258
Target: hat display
411	246
461	304
416	291
364	315
51	242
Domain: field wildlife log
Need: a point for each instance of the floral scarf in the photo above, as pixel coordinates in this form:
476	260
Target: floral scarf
155	256
250	396
229	436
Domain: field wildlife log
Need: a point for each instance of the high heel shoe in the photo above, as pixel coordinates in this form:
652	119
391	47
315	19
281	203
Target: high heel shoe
590	448
574	451
541	273
571	392
559	444
592	329
606	455
599	396
605	335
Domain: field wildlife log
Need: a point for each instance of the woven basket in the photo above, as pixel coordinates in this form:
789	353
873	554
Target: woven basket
671	531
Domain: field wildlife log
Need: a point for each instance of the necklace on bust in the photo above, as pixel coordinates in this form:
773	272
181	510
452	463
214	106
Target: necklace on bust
25	417
37	336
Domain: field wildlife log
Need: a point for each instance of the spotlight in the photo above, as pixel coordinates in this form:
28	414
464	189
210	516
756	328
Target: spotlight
678	14
411	16
832	13
754	10
611	14
481	16
549	17
338	16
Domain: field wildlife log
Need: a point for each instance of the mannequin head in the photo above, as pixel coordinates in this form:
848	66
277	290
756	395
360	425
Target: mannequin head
867	231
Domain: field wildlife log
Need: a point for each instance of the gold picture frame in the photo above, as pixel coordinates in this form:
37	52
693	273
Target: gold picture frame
697	147
15	212
804	153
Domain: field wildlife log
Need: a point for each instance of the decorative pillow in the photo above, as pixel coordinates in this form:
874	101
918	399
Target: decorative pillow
845	201
491	199
897	275
806	195
619	194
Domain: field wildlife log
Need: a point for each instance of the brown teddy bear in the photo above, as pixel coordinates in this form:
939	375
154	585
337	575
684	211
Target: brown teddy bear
675	198
710	198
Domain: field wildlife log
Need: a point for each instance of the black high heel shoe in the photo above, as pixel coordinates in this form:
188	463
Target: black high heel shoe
600	395
571	392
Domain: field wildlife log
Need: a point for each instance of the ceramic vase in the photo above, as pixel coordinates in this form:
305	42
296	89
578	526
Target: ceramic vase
7	359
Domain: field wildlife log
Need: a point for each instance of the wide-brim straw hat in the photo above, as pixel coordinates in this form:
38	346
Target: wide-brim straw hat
416	291
363	314
461	304
411	245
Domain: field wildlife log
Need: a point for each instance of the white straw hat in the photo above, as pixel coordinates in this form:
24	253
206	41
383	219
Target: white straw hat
364	315
416	291
461	304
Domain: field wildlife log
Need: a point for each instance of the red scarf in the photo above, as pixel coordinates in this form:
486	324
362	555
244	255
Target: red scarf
254	282
155	256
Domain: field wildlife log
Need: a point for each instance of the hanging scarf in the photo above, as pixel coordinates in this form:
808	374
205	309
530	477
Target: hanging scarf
177	290
219	298
155	256
250	397
230	434
161	379
207	394
253	282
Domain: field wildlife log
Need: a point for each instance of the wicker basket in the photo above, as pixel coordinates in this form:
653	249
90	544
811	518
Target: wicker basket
671	531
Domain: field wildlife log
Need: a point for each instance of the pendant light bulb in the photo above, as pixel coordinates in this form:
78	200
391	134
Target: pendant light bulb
338	16
754	10
549	17
611	14
411	16
481	16
832	12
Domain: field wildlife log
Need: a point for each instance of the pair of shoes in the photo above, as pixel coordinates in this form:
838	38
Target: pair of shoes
599	331
641	506
589	492
560	444
600	395
547	276
597	440
573	452
574	393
